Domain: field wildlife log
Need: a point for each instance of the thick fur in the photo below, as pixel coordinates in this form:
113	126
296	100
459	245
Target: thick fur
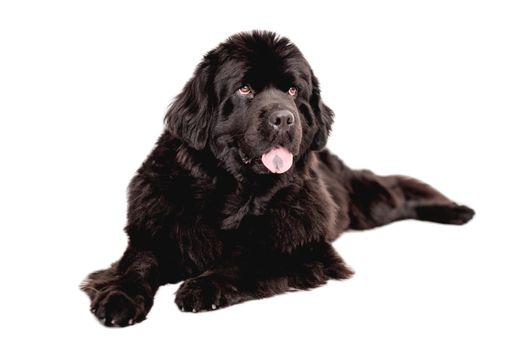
204	210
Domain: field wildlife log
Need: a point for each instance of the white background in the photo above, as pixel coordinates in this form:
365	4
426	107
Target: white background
433	90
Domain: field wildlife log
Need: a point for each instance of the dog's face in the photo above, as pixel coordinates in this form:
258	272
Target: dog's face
254	103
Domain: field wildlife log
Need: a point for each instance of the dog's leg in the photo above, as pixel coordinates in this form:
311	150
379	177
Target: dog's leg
123	294
378	200
256	276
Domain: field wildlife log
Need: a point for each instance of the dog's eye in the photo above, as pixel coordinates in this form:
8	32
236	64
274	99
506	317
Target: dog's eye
245	90
293	91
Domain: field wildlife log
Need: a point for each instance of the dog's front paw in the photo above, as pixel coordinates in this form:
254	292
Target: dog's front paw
116	308
205	294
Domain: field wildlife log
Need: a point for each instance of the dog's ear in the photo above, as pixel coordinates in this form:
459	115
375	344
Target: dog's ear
190	115
323	115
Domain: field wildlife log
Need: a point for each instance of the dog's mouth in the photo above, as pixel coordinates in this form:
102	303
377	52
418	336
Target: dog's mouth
276	160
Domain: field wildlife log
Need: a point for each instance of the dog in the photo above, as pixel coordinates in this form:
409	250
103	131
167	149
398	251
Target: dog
240	199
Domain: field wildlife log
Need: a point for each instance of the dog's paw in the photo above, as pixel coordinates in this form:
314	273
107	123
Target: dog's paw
114	307
452	213
205	294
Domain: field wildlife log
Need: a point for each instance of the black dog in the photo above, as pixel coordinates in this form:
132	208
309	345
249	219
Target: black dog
240	199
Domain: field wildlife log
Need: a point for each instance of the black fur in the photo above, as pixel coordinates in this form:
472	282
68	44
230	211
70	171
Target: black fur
203	209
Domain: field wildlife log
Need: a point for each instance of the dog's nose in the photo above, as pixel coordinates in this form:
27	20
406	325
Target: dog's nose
281	119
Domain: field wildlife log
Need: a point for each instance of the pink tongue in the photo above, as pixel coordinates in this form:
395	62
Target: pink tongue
277	160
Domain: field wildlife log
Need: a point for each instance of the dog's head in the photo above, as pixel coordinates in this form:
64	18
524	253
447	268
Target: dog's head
255	103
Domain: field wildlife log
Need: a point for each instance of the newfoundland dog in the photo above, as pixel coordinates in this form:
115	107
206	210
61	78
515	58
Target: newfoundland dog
239	198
